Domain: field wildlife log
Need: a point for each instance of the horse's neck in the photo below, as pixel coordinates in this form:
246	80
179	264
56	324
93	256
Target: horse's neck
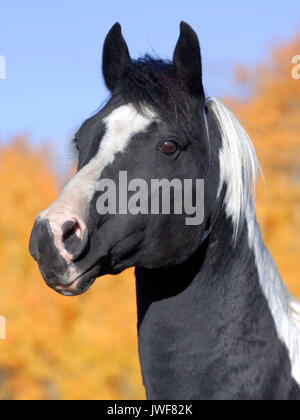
207	324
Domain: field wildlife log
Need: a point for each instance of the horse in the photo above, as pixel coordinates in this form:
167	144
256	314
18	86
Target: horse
215	321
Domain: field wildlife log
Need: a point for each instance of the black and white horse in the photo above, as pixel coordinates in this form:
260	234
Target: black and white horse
214	318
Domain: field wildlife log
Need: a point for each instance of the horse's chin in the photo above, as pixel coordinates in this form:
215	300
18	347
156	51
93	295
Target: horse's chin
87	279
75	289
78	287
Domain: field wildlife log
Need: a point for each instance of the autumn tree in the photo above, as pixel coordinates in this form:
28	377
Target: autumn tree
57	347
271	115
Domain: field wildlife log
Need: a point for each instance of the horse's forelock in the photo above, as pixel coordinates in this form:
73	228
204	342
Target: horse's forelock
153	83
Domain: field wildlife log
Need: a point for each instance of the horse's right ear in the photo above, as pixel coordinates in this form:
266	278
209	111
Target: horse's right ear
187	60
115	58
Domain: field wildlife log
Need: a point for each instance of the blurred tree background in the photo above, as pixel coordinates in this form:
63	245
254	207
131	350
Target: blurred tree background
86	347
272	118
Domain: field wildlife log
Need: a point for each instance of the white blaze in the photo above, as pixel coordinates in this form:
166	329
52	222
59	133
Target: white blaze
121	124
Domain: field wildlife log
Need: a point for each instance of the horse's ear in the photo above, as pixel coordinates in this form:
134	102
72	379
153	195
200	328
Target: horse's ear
115	58
187	60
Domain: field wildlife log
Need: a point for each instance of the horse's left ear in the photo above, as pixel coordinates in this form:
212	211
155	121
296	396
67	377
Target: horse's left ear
187	60
116	58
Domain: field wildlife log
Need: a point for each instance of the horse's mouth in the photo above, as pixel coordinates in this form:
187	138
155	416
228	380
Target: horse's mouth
77	287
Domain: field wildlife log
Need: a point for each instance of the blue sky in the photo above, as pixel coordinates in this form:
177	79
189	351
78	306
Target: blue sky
53	51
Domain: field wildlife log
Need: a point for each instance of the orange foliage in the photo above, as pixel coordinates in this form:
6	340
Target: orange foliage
57	347
86	347
272	117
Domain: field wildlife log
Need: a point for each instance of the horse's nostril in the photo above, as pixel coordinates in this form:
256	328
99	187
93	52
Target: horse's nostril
74	237
70	228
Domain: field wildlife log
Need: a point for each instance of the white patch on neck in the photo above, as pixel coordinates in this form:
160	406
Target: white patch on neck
238	170
284	308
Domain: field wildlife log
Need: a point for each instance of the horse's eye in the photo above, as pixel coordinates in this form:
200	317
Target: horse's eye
168	147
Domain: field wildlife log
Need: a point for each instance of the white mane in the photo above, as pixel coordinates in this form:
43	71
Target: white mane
238	170
238	163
